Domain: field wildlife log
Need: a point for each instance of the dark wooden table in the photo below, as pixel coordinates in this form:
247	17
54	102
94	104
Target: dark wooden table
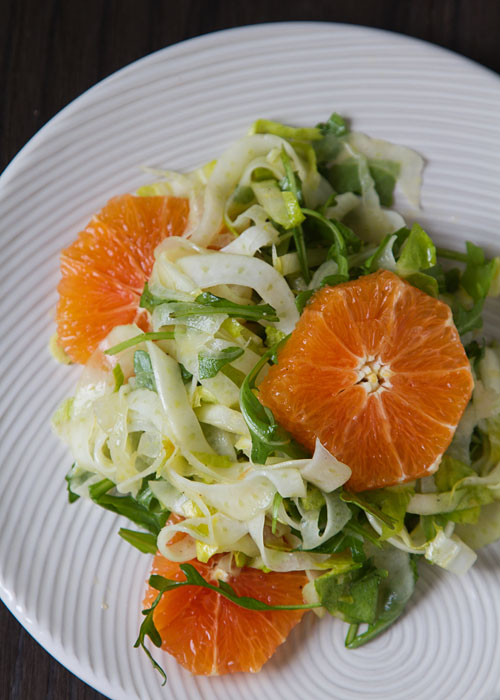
53	50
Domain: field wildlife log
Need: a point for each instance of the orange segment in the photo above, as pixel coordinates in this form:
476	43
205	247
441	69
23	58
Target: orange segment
104	270
375	369
209	635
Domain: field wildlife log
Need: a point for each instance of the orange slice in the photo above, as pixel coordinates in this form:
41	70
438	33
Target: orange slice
210	635
104	270
375	369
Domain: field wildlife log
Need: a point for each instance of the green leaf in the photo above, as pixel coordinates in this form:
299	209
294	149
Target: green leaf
160	335
352	596
69	478
467	320
452	280
148	300
290	133
291	183
143	515
450	472
478	274
185	374
210	365
418	252
336	125
392	503
332	131
475	352
302	298
143	370
267	436
339	543
143	541
344	177
207	304
194	578
385	174
426	283
334	234
364	502
119	376
148	629
243	194
394	592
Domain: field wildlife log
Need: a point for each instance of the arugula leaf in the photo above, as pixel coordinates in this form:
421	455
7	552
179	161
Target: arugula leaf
390	502
119	376
207	304
143	541
450	472
332	132
194	578
72	496
452	280
290	183
290	133
478	274
418	252
160	335
185	374
333	233
344	177
302	298
335	125
394	592
143	370
148	629
148	300
352	596
426	283
210	365
363	501
385	174
132	508
267	436
339	543
475	352
467	319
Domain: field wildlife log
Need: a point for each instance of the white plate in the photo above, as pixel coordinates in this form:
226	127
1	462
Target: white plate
65	573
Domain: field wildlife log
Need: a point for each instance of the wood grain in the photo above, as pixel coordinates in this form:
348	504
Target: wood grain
53	50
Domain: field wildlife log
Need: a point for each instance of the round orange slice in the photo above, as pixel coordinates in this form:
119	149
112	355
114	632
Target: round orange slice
376	370
105	269
210	635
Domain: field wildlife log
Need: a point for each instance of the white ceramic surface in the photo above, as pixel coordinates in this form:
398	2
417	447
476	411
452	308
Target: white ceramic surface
64	572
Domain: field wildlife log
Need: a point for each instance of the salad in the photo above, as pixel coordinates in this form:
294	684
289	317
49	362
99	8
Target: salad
302	394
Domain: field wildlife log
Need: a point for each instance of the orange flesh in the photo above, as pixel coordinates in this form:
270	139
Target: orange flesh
375	369
208	634
105	269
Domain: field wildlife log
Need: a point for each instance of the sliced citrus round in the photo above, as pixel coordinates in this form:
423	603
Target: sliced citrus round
104	270
375	369
210	635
